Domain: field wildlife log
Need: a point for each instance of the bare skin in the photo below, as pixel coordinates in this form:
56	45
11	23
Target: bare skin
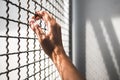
51	43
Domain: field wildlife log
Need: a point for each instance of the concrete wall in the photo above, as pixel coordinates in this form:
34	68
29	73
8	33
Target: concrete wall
96	38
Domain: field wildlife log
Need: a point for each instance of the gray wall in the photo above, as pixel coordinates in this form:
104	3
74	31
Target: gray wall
96	38
79	35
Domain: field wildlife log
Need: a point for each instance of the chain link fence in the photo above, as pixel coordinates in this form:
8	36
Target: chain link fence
21	56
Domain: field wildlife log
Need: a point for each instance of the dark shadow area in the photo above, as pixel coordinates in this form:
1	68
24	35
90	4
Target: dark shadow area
70	29
105	10
79	34
80	58
113	38
112	73
95	10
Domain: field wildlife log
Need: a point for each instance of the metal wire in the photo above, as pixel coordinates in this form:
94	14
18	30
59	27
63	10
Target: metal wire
7	49
27	39
34	47
22	42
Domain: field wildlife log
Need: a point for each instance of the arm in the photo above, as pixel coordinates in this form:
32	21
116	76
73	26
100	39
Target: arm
51	43
65	66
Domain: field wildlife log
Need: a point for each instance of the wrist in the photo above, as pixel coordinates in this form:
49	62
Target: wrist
58	53
59	50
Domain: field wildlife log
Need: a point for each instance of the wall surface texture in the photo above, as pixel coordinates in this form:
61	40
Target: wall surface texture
96	38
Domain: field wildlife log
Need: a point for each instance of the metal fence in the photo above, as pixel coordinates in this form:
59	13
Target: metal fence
21	56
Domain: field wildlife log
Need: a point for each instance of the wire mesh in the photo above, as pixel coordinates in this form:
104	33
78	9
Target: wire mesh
21	56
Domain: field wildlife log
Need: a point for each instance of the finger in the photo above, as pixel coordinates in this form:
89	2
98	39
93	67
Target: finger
43	15
47	18
38	31
38	15
34	25
31	23
40	34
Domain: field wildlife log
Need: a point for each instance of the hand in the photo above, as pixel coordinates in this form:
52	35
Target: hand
50	40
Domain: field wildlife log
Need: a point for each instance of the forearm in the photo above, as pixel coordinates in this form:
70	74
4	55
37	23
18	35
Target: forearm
64	65
51	43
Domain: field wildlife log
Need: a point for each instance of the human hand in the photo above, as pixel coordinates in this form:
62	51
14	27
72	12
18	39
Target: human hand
50	40
51	43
